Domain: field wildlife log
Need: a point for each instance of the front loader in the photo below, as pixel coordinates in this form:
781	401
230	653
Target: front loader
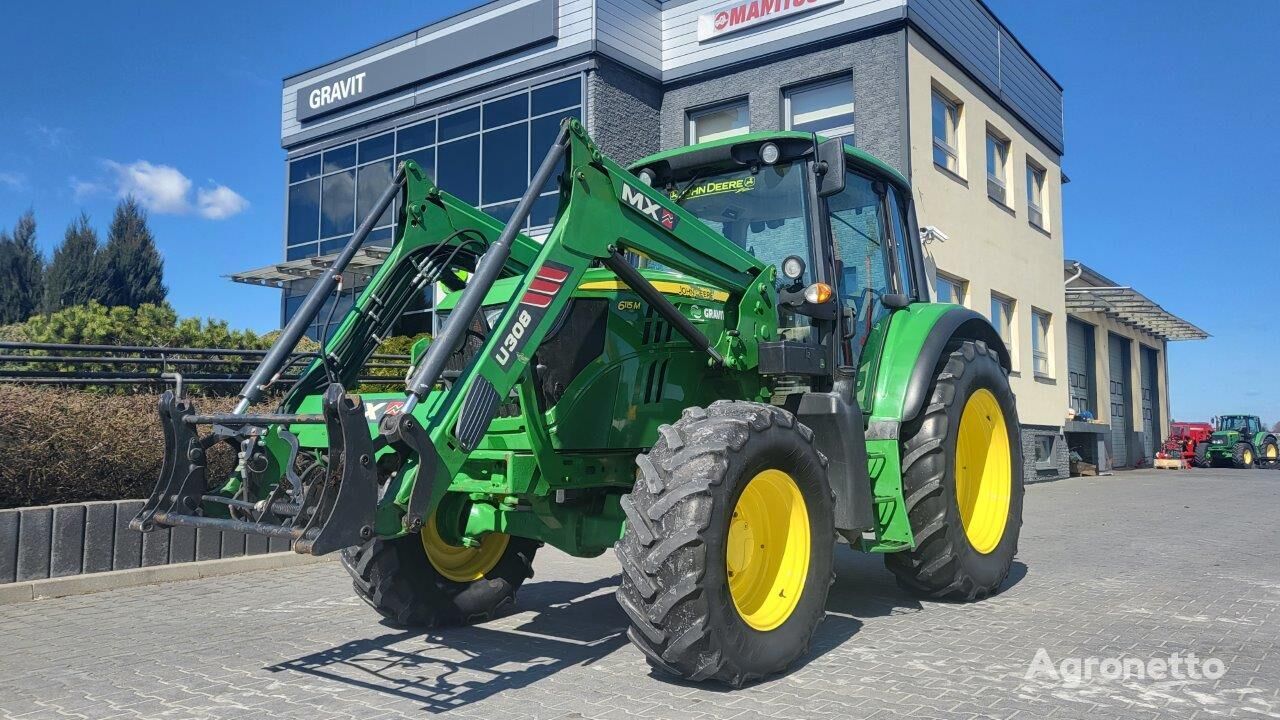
721	362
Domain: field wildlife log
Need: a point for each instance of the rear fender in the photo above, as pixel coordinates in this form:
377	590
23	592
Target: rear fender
917	340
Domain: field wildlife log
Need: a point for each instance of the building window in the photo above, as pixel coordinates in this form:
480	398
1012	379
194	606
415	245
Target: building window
1002	318
946	132
951	289
484	154
825	108
1040	343
997	167
718	122
1035	194
1044	449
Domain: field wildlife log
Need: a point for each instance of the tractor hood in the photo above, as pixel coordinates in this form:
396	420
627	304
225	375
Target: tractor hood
1224	437
599	280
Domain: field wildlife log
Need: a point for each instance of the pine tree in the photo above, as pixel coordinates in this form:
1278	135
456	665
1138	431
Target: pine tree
132	264
75	275
21	271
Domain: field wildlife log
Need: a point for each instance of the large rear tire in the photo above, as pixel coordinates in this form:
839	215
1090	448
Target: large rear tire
727	554
962	480
1269	452
419	581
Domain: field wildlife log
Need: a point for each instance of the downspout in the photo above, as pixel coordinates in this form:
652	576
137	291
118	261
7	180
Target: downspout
1073	278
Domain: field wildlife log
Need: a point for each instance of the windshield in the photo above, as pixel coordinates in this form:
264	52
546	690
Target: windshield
765	213
1234	422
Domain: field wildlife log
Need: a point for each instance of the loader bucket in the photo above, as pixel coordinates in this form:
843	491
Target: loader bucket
324	508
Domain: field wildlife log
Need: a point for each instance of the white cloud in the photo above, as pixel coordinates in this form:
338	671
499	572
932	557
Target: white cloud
219	202
52	138
164	190
13	180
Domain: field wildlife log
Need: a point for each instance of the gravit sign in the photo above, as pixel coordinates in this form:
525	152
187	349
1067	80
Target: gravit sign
742	15
503	30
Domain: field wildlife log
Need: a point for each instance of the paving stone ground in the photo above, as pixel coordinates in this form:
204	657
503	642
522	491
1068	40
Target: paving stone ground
1139	565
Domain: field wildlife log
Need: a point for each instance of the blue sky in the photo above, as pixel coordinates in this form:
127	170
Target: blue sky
1171	148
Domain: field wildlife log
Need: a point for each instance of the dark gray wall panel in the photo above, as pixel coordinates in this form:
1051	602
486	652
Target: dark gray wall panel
67	553
99	535
8	545
208	544
975	39
128	547
507	32
35	528
182	544
155	547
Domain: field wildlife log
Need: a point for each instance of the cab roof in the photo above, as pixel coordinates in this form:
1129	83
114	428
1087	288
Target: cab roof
857	158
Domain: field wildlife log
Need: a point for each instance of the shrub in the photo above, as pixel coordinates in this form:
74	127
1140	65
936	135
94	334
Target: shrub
61	445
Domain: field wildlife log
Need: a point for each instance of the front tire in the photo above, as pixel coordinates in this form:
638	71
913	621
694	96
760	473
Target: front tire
1242	456
727	554
411	587
962	480
1202	456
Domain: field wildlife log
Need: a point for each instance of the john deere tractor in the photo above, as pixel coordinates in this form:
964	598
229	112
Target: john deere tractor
1239	441
721	361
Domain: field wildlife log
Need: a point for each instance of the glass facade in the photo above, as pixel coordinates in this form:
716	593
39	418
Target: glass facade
485	154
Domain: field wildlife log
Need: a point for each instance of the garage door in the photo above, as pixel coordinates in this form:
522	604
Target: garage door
1149	409
1080	365
1118	357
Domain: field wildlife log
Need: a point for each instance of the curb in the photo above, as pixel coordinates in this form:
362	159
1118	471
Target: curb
19	592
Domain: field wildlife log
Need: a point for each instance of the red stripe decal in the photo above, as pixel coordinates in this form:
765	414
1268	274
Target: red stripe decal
545	287
536	300
552	274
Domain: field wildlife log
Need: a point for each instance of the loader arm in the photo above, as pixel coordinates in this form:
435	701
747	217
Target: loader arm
329	500
605	211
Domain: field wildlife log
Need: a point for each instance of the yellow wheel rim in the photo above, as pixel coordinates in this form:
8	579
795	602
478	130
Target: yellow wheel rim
984	472
1248	457
767	553
463	564
1271	452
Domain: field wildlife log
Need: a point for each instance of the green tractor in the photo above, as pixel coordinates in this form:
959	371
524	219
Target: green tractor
721	362
1239	441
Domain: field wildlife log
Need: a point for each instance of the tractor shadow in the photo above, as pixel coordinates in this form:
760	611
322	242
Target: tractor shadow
559	625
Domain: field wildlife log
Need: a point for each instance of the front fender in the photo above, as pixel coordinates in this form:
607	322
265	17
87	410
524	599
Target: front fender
917	337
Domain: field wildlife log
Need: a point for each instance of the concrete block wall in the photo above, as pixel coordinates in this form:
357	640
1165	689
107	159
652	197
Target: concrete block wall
1059	465
61	540
877	65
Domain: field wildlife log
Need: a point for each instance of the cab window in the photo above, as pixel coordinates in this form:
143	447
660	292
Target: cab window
862	254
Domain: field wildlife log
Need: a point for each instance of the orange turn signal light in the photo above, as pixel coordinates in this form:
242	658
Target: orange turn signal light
818	293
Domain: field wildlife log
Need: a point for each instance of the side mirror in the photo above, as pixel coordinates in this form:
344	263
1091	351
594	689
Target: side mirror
895	301
830	167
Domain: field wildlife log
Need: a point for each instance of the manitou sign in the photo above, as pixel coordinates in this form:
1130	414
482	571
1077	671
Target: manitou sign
742	15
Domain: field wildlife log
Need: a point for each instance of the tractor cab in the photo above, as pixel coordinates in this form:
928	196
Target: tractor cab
834	223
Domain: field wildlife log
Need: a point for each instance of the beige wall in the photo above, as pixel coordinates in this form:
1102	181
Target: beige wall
991	247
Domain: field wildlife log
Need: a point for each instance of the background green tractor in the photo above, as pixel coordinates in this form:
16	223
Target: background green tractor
721	362
1239	441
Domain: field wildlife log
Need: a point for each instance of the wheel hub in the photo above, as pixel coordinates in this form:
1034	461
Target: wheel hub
984	471
767	550
463	564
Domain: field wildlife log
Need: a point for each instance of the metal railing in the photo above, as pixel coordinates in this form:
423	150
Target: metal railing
139	365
